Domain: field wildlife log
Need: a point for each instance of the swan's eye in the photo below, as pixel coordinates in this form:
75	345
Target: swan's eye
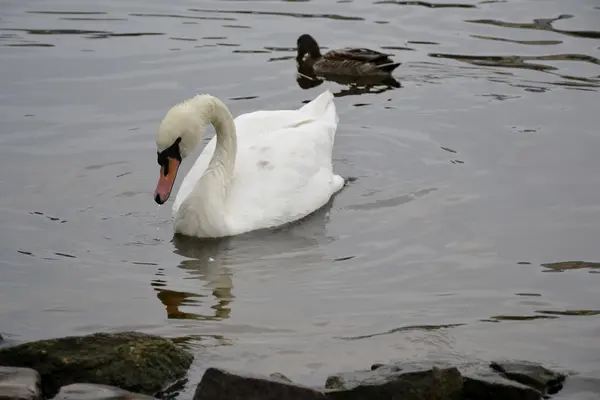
171	152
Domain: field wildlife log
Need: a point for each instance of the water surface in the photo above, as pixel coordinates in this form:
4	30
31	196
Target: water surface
474	178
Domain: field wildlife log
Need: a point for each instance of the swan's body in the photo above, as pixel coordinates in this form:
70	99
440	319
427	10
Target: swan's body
261	170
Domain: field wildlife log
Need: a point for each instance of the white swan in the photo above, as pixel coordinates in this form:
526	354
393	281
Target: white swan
263	169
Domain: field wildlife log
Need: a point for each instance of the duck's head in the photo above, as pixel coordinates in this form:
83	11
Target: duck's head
178	135
307	45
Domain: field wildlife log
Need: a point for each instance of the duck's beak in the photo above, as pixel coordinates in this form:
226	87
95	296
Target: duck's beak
168	173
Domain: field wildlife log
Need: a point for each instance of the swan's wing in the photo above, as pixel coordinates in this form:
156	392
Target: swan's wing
282	175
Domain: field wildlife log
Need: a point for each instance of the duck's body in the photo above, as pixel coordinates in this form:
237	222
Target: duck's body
261	170
347	61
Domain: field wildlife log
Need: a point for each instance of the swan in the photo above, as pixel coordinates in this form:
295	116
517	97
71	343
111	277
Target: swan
261	170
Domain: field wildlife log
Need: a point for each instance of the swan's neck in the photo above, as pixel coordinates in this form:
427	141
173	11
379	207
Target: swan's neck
204	208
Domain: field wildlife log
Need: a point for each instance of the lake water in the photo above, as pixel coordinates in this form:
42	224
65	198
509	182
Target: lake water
479	169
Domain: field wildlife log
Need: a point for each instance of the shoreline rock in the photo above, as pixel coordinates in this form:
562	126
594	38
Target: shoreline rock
132	361
137	366
405	380
20	384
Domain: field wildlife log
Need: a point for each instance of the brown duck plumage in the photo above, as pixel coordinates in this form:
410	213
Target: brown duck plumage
346	61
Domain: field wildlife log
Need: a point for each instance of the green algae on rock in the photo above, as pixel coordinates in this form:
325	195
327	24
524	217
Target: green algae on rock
132	361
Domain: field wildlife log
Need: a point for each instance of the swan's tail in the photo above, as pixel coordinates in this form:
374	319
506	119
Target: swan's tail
322	107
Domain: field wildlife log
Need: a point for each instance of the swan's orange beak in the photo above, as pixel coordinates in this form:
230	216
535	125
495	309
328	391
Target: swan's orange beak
168	173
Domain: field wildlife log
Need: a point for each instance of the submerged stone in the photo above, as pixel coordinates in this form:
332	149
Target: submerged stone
219	384
129	360
481	382
19	384
530	374
92	391
406	381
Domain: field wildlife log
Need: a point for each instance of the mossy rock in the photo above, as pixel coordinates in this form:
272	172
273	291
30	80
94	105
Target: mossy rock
129	360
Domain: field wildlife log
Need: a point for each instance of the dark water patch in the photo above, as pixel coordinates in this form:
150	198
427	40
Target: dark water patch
525	42
56	31
422	42
402	329
68	12
243	98
397	48
392	202
381	22
500	97
213	37
528	294
571	265
283	49
498	318
237	26
123	174
91	19
281	14
100	166
27	253
447	149
132	34
65	255
426	4
49	217
518	61
182	16
523	263
228	44
544	24
29	45
143	263
343	258
284	58
457	162
571	312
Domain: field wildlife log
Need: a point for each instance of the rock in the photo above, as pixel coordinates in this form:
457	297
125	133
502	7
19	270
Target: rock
130	360
481	382
406	381
219	384
19	384
533	375
280	377
91	391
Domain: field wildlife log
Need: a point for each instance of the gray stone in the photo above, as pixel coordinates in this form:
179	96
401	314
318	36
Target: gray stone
219	384
480	382
92	391
530	374
19	384
130	360
405	381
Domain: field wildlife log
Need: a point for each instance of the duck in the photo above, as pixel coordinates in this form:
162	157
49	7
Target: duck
346	61
261	170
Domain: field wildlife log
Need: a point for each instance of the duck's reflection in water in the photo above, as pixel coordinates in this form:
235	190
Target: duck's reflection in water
356	85
213	261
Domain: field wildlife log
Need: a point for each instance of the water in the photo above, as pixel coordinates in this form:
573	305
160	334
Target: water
480	168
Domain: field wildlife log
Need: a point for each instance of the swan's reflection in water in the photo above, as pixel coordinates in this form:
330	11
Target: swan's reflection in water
307	79
213	261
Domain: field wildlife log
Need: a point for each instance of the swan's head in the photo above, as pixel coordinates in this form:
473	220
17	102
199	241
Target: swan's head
179	134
